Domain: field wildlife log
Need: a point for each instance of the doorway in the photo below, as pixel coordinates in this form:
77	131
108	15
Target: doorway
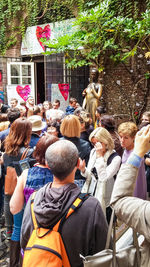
40	82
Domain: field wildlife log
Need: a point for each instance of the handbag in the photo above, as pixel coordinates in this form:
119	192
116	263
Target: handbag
90	183
129	256
95	187
11	176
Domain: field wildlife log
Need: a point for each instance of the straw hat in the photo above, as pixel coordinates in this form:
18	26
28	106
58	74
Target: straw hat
37	123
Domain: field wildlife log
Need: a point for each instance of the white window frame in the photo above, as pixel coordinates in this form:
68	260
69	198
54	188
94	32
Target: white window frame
21	77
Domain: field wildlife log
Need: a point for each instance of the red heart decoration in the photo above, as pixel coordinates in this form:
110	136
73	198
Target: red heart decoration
43	33
64	89
23	92
0	76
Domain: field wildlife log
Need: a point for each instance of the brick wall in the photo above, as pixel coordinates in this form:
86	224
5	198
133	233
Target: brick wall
125	89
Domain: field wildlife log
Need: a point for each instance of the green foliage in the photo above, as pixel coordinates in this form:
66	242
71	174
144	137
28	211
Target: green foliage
99	33
17	15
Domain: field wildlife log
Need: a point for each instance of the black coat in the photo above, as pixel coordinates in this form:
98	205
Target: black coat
84	149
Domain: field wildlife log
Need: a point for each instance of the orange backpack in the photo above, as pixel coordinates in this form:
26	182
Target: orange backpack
45	246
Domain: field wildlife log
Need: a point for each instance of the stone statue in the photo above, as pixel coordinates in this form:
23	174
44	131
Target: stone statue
92	94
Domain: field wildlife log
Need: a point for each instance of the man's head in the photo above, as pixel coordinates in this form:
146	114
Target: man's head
94	74
46	105
56	104
72	102
127	132
30	101
146	117
13	114
62	158
13	102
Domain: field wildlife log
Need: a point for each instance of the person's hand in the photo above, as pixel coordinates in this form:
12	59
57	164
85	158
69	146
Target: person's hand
82	165
142	141
100	150
147	161
84	92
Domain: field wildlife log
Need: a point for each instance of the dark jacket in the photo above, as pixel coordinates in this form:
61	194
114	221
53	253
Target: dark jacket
84	149
34	139
84	232
4	108
3	134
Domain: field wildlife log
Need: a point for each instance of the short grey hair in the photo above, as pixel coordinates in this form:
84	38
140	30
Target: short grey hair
62	157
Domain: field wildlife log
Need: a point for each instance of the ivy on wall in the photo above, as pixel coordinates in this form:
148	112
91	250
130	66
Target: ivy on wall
17	15
100	32
115	29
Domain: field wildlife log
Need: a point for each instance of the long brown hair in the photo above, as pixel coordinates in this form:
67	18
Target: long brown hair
19	135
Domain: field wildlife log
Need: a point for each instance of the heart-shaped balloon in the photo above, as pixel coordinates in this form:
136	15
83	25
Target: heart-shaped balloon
64	89
23	92
43	33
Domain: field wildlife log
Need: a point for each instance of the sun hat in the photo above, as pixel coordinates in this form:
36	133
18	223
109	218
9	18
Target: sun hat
37	123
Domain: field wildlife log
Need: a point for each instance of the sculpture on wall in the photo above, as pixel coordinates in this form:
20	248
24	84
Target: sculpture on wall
92	94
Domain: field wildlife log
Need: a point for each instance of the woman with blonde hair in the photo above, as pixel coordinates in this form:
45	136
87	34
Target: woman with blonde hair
70	129
106	163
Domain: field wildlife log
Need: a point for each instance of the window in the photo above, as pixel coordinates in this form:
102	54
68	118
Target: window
20	73
20	80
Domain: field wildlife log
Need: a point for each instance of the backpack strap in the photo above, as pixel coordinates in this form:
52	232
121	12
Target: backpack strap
25	152
76	204
32	212
110	158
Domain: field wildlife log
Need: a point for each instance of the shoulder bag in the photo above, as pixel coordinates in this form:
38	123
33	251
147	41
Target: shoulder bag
129	256
11	176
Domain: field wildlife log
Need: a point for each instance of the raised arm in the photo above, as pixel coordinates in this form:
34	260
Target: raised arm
17	199
99	93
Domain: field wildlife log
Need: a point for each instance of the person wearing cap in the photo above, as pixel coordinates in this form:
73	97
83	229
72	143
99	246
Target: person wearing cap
37	126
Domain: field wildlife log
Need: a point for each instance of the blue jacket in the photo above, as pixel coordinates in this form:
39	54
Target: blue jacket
69	110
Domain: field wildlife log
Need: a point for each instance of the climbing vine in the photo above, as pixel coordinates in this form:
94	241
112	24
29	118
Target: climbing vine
117	30
17	15
100	32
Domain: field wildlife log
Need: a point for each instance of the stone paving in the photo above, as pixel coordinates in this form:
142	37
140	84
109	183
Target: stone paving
4	248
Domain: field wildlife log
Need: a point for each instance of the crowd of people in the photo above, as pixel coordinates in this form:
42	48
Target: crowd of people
64	150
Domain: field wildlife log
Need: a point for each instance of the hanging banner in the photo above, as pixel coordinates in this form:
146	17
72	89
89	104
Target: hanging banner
31	43
0	76
64	89
56	94
43	33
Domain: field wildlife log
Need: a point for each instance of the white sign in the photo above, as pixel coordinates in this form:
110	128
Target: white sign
56	94
31	43
12	93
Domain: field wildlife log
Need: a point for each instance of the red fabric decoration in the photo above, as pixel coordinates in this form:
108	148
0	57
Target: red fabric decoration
64	89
